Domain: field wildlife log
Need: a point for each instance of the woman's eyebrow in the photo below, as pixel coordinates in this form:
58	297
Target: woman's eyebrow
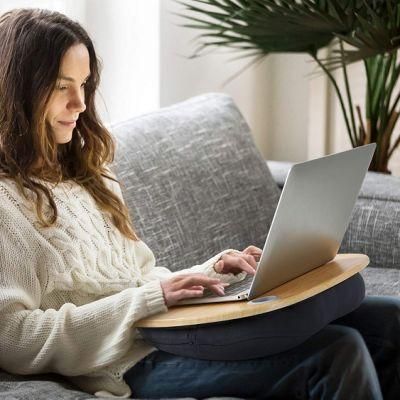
67	78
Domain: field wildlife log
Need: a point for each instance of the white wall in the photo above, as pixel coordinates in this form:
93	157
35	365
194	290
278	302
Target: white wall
272	96
181	78
126	38
290	102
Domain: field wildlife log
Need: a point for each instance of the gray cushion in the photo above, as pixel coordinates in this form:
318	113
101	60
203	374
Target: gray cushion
381	281
374	230
47	387
194	180
39	387
376	185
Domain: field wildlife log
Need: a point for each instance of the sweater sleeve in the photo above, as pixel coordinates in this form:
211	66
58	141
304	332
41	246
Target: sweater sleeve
151	272
72	340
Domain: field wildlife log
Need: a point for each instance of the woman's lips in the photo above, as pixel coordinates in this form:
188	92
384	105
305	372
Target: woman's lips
69	124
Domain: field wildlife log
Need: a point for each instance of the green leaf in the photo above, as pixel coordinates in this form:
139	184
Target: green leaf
273	26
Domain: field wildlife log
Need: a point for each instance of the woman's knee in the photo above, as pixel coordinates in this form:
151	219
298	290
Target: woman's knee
350	337
350	343
344	357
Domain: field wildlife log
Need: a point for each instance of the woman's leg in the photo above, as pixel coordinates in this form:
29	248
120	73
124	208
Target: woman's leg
378	321
262	335
332	364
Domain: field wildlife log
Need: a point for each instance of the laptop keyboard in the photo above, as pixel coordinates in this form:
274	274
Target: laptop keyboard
233	288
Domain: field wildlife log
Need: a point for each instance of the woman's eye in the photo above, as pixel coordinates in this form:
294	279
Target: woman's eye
63	87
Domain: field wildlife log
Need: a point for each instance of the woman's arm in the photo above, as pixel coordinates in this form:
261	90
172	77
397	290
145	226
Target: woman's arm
72	340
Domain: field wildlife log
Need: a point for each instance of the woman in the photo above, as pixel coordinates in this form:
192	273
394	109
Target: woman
75	277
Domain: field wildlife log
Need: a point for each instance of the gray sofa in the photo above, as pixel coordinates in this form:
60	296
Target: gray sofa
196	184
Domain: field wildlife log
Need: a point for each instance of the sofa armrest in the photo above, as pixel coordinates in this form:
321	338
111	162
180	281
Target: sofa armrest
374	224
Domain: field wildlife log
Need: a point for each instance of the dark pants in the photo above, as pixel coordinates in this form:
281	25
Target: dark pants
289	353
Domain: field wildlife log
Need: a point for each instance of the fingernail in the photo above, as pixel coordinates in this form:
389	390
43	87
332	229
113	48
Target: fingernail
225	284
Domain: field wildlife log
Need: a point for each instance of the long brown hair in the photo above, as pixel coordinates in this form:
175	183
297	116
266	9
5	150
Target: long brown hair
32	44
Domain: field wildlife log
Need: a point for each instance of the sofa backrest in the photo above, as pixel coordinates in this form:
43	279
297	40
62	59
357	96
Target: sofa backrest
194	180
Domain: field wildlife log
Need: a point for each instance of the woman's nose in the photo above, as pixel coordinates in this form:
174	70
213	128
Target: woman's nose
77	102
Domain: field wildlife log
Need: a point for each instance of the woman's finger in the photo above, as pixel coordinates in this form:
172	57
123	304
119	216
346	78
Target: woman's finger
219	266
256	256
250	260
196	288
252	250
237	263
195	279
244	263
219	289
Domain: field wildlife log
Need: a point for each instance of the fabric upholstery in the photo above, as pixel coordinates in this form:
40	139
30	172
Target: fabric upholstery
382	281
39	387
194	180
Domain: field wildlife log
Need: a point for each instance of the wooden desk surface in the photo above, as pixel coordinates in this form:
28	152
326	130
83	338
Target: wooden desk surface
316	281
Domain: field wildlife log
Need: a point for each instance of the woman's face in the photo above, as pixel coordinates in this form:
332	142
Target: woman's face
68	98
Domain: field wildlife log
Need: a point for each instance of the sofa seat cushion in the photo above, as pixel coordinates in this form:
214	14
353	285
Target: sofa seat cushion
381	281
39	387
52	387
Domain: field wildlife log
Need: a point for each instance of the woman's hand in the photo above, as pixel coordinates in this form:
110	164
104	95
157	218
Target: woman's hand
184	286
237	262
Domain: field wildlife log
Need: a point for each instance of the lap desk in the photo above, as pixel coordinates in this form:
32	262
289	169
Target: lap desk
342	267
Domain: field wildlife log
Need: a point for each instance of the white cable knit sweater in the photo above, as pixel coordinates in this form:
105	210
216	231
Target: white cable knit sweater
70	294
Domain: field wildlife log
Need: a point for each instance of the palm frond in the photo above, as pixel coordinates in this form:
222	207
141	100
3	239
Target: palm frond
377	32
271	25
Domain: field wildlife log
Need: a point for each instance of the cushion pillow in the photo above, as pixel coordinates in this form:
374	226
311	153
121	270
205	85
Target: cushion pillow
194	180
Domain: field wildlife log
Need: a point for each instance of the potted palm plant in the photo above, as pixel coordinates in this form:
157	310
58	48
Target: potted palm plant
365	31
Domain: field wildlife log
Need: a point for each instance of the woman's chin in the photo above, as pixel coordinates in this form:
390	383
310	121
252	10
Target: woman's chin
63	138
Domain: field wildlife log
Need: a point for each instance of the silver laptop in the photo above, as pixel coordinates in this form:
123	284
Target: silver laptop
310	221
